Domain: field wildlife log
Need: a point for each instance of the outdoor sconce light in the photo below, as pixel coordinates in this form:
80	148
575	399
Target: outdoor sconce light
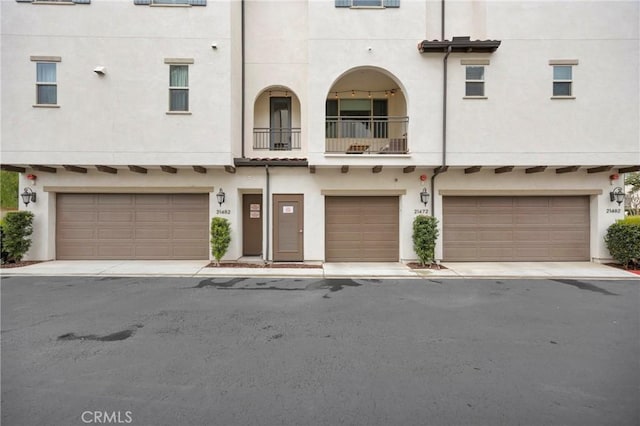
617	195
424	196
221	196
28	196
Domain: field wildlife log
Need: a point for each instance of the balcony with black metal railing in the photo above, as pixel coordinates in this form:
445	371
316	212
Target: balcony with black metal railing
366	135
276	139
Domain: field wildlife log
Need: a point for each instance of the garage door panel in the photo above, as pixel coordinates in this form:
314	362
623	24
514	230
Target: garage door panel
114	200
494	219
114	250
132	226
493	203
77	216
361	229
107	216
569	236
188	216
115	233
568	219
489	236
78	233
519	229
532	235
462	218
531	202
531	219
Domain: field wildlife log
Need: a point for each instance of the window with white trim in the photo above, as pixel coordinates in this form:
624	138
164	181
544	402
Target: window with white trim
562	80
474	81
61	2
367	3
179	88
170	2
46	80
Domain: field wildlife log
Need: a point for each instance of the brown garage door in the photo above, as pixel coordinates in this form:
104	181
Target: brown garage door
132	226
361	229
516	228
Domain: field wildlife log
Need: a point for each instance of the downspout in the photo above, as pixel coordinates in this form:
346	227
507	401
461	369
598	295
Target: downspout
442	20
242	78
268	210
444	128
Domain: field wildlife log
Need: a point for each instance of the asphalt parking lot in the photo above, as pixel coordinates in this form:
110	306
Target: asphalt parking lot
265	351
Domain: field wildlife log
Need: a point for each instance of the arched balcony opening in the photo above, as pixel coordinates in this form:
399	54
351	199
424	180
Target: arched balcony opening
366	113
276	120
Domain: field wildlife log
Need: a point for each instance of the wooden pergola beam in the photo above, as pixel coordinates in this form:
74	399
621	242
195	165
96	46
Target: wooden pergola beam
344	169
568	169
75	169
138	169
107	169
629	169
376	169
312	169
409	169
474	169
10	168
505	169
599	169
536	169
169	169
230	169
43	168
199	169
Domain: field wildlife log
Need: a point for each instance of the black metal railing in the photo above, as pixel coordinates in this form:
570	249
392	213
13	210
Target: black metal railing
276	138
366	135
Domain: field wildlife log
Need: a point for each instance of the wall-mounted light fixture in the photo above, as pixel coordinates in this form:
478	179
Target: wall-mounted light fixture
28	196
424	196
617	195
221	196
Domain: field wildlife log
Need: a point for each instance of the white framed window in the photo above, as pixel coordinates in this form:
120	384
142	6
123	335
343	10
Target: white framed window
59	2
46	80
367	3
170	2
179	88
178	84
474	78
474	81
563	78
46	83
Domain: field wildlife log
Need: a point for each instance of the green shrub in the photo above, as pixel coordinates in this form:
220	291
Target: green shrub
425	233
623	241
8	190
631	220
220	237
16	232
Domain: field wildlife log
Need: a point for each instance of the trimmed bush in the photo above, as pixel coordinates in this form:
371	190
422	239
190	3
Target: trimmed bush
631	220
16	233
220	237
4	254
425	233
623	241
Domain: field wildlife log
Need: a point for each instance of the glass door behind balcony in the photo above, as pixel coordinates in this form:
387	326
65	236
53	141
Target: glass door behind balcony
280	126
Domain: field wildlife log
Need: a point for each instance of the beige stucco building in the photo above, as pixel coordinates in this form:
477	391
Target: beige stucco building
323	123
